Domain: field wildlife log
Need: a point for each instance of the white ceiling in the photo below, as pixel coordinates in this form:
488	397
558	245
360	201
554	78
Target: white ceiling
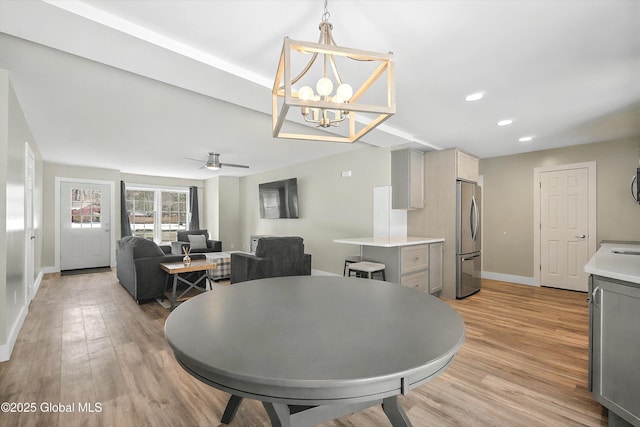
139	86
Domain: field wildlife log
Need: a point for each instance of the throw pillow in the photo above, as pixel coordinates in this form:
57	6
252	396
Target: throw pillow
197	241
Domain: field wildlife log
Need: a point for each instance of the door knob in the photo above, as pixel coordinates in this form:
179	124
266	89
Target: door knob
580	236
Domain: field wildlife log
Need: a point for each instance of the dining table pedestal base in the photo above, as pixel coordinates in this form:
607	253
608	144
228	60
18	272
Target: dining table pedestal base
283	415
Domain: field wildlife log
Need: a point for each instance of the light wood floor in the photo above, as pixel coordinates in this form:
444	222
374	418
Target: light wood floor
524	363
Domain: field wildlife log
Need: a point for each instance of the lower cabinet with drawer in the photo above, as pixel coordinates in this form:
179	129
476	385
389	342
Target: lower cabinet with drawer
419	280
414	266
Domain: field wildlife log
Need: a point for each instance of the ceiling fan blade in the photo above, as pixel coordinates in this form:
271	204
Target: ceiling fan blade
195	160
231	165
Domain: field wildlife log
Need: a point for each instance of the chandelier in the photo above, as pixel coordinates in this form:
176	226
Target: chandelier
374	97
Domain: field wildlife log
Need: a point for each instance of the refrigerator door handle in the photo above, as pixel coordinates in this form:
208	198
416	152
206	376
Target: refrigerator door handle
473	218
469	258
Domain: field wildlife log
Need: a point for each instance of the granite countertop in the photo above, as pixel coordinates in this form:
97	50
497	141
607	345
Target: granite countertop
616	261
390	242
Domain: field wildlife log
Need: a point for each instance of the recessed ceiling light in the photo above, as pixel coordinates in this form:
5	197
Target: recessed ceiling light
526	139
474	96
505	122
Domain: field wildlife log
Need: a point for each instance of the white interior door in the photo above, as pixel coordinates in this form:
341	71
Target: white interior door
85	225
564	228
30	247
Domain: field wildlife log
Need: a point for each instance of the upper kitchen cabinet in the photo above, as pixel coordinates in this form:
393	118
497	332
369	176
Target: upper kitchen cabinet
407	179
467	166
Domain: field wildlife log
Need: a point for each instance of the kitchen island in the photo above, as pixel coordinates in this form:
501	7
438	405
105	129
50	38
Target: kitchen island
614	336
414	262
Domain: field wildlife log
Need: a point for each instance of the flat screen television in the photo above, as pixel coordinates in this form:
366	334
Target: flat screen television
279	199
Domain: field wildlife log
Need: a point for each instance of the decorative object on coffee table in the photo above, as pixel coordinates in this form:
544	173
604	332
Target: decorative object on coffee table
187	259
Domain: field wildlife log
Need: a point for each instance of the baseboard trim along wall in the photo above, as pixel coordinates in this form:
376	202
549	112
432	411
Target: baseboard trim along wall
7	348
521	280
322	273
51	269
36	285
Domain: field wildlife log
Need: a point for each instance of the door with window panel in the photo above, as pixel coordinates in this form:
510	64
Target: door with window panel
85	225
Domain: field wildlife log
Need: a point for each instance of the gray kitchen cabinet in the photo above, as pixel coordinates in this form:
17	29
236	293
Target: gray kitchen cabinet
467	166
407	179
614	348
436	253
410	265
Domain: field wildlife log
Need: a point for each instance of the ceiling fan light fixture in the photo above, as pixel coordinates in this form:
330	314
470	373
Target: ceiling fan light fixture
213	162
325	108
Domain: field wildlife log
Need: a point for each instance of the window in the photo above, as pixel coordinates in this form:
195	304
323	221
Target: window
157	214
85	208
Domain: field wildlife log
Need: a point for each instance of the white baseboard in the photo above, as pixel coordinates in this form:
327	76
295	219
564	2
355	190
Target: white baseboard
521	280
7	348
37	283
322	273
50	269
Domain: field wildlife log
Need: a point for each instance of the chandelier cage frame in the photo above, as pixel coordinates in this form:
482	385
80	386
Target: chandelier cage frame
283	91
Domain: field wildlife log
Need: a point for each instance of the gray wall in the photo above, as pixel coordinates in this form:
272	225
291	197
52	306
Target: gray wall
331	207
53	170
4	150
222	210
508	200
14	132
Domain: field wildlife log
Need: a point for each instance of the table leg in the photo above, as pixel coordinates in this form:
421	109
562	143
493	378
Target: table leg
279	414
173	292
395	413
231	409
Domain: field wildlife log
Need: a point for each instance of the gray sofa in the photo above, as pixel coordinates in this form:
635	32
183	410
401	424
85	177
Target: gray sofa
183	240
274	257
138	267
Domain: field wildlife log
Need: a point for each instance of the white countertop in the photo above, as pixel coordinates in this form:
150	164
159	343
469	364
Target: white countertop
619	266
390	242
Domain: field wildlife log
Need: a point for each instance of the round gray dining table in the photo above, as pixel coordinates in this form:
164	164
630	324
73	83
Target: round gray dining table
314	348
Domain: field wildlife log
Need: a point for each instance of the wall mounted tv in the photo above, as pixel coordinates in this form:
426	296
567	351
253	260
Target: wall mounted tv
279	199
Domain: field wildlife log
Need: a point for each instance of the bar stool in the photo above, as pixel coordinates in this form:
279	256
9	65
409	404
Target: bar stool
350	260
367	269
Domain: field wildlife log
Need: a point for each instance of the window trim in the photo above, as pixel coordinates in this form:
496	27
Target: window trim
157	233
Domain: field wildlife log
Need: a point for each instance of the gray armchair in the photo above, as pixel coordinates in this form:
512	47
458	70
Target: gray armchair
183	240
274	257
138	267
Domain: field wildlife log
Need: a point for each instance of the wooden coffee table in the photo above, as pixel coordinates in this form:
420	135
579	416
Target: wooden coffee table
176	268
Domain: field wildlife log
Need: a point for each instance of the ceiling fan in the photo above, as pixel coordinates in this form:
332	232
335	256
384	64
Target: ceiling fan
213	162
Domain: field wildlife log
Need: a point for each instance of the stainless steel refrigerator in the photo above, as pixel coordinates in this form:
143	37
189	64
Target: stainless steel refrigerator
468	241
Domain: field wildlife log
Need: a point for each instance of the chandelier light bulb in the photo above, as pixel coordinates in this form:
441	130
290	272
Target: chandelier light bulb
324	86
345	92
305	93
